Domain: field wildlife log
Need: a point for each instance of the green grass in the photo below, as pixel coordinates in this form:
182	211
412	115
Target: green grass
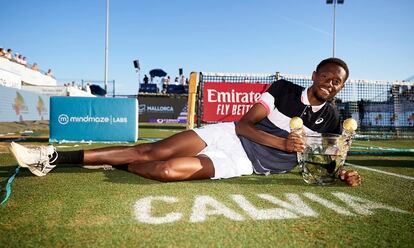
403	143
158	130
95	208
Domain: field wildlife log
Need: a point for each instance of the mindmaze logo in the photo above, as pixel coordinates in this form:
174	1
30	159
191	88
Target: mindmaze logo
64	119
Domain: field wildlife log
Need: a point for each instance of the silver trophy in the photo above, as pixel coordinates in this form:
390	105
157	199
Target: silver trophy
325	154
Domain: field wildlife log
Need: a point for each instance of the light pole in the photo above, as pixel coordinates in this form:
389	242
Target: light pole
334	2
106	46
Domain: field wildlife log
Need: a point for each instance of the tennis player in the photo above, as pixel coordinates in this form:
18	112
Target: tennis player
260	142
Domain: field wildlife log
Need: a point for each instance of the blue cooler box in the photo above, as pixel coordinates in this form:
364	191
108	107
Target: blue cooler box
93	119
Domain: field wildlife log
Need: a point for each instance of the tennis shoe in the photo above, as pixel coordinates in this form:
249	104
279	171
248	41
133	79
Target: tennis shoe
36	159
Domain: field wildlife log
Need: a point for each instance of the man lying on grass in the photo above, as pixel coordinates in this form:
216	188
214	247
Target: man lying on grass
259	143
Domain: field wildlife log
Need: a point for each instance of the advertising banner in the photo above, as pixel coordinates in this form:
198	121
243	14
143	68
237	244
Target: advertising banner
21	105
225	102
10	79
163	109
93	119
47	90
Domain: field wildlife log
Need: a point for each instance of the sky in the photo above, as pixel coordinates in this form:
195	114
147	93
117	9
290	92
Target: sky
375	38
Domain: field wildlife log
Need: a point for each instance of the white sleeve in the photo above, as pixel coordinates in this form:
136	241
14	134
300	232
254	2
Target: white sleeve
268	101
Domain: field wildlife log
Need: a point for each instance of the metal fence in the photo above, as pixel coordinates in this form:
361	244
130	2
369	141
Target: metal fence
383	109
81	83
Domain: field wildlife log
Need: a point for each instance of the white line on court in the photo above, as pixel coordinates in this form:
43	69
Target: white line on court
380	171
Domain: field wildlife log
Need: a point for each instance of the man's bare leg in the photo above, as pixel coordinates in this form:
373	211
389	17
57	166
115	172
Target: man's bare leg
184	144
175	169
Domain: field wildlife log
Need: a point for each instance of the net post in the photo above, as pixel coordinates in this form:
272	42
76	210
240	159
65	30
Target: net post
192	92
277	74
395	92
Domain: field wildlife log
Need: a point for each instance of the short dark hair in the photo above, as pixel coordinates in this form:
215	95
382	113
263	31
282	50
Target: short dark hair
336	61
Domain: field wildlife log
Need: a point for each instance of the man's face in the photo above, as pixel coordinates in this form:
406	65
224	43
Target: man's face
328	81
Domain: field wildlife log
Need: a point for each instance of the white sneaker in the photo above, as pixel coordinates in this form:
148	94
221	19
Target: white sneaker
36	159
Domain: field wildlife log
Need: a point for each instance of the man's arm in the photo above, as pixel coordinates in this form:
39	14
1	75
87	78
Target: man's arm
245	127
294	143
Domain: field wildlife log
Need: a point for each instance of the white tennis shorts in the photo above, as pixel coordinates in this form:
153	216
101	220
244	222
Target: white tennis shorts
225	150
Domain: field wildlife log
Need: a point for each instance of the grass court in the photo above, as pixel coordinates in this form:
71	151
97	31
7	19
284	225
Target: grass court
77	207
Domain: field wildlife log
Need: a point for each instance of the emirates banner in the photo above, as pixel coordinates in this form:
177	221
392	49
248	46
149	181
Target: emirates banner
225	102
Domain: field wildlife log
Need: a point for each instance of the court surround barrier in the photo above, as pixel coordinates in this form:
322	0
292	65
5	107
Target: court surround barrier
383	109
21	105
93	119
163	108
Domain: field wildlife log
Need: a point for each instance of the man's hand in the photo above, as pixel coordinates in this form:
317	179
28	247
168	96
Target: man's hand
295	142
350	177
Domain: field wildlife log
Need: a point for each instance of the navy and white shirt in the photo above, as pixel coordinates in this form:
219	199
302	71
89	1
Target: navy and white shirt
284	100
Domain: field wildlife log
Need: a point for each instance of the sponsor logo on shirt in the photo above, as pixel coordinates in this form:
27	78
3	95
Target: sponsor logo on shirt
319	121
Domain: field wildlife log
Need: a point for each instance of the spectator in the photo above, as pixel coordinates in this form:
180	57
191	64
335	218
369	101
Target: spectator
16	58
145	79
87	88
19	58
183	80
49	73
164	85
35	67
165	82
8	54
24	62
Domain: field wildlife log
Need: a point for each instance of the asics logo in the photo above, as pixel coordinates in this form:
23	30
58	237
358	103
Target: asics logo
319	121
